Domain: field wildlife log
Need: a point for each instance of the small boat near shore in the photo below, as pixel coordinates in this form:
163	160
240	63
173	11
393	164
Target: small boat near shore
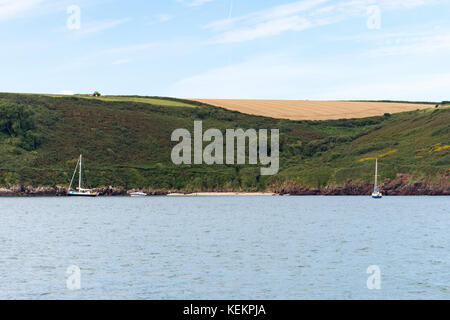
376	194
80	192
138	194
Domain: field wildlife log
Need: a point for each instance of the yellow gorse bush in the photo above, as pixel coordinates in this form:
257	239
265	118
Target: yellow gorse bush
380	156
434	148
441	148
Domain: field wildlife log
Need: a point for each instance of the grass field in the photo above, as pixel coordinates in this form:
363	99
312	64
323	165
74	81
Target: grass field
167	102
314	110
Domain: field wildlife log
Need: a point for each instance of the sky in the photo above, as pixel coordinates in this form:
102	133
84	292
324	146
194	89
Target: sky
252	49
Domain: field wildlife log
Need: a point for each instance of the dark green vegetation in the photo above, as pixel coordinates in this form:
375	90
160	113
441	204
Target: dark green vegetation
125	142
18	124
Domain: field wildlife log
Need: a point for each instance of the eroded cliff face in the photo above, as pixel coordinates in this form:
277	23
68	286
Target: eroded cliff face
403	184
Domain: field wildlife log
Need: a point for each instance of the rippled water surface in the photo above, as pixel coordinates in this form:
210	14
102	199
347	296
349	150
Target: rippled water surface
225	247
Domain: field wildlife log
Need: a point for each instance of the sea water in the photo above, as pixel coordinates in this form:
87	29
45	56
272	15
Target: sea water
225	248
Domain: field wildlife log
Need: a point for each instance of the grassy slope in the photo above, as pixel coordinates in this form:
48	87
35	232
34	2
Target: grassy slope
412	143
126	143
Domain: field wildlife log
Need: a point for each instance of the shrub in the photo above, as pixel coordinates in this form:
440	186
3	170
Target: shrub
15	119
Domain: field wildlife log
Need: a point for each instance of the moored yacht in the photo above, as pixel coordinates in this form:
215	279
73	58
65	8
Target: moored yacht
376	194
80	192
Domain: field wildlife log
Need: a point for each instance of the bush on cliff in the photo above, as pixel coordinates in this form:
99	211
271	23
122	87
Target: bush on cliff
18	121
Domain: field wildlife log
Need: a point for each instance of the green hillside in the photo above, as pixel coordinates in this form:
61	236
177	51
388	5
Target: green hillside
125	141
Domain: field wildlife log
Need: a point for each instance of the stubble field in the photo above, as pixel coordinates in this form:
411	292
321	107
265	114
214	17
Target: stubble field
314	110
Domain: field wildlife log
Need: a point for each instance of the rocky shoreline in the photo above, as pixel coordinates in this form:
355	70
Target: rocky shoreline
19	190
401	186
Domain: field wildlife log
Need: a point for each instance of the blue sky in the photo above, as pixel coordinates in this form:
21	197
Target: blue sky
267	49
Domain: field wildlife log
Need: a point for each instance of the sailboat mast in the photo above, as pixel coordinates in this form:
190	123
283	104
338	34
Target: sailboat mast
376	175
79	175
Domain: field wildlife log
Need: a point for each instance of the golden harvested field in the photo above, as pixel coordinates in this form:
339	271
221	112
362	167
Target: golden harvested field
313	110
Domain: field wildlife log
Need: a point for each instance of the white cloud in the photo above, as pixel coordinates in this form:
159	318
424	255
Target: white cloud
281	76
163	17
265	29
298	16
129	48
194	3
198	2
66	92
111	55
88	28
432	87
122	61
264	16
425	39
418	46
264	77
160	18
10	9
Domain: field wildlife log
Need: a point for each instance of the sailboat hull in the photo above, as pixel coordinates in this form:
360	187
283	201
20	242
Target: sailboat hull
377	195
81	194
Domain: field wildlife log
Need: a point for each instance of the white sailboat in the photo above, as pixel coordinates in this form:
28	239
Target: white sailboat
80	192
376	194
